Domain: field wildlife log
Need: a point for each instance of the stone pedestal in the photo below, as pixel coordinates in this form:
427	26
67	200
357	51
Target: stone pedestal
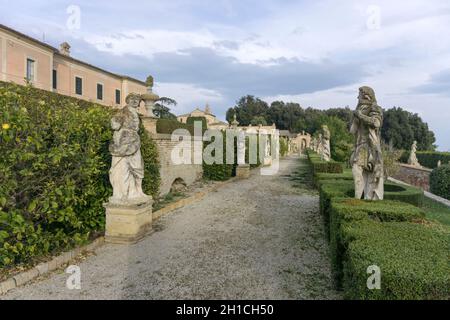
150	124
127	224
243	171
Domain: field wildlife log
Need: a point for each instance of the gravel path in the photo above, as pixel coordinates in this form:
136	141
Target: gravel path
260	238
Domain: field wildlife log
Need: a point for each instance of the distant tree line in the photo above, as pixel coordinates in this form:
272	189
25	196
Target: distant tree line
400	127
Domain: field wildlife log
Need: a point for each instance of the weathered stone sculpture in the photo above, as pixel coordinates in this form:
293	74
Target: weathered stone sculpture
129	210
412	160
319	145
367	158
127	168
326	152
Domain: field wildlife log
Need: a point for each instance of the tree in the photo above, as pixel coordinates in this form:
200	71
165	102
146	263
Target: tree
401	128
258	120
162	110
246	109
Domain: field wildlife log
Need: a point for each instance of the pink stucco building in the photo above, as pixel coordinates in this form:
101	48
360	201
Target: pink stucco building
23	57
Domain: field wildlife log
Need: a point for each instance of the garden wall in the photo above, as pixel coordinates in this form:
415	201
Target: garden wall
169	171
419	177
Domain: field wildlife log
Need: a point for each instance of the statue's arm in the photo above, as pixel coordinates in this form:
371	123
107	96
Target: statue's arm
374	120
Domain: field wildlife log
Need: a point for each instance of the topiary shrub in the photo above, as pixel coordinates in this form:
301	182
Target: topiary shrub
346	210
440	181
413	259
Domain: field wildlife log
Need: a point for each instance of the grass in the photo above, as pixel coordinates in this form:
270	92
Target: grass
436	211
167	199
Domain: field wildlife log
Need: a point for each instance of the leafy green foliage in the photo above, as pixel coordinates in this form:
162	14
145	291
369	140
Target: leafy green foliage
53	172
161	108
190	121
413	259
218	171
411	252
401	128
149	150
440	181
246	109
284	148
428	159
168	126
346	210
320	166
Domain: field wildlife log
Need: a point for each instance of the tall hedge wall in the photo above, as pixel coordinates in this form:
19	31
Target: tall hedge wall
440	181
54	171
428	159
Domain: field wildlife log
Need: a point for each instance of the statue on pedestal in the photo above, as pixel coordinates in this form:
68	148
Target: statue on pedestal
127	168
367	158
412	160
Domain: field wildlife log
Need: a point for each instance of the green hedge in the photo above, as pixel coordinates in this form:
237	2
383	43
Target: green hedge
345	188
168	126
218	172
53	172
346	210
412	253
428	159
413	259
320	166
440	181
191	120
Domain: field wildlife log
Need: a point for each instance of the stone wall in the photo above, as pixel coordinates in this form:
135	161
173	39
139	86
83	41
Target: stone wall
419	177
169	171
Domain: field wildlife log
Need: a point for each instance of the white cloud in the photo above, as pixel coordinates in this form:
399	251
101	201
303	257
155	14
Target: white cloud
188	96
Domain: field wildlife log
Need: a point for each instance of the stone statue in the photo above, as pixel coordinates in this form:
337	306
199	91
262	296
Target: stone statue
319	145
367	158
326	152
412	160
127	168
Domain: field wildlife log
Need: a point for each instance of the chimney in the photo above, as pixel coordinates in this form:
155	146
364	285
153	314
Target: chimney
64	49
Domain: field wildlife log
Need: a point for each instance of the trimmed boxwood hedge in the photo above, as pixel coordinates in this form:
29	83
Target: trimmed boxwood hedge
346	210
413	259
345	188
412	253
440	181
320	166
428	159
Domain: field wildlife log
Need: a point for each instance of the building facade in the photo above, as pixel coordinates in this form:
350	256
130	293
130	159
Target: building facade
24	59
211	120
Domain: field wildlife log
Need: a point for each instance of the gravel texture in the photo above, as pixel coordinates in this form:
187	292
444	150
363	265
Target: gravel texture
259	238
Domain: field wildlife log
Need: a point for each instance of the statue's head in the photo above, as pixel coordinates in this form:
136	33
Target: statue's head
366	95
133	100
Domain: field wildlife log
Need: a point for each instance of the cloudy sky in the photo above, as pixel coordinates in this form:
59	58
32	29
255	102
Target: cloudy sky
316	53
